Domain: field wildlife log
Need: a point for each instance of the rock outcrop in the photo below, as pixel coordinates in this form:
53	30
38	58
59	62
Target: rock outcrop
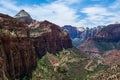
112	57
46	36
17	55
80	34
49	37
24	16
106	39
109	33
20	45
90	32
74	33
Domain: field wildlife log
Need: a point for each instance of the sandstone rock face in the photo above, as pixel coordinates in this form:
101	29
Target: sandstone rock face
22	43
17	55
112	57
90	32
74	33
48	37
106	39
24	16
80	34
109	34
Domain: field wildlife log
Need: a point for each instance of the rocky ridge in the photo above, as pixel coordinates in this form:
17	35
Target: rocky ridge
21	45
17	55
24	16
80	34
106	39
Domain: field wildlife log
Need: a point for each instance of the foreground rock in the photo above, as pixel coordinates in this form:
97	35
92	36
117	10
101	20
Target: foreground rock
21	43
17	55
49	37
46	36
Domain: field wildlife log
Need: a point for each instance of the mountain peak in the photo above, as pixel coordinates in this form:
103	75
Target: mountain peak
22	13
24	16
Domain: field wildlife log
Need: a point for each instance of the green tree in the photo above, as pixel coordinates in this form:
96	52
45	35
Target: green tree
1	27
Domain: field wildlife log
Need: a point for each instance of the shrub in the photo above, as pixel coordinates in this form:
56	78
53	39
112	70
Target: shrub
1	27
61	70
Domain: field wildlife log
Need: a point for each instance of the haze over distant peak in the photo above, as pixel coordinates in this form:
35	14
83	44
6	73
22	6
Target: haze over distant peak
24	16
87	13
22	13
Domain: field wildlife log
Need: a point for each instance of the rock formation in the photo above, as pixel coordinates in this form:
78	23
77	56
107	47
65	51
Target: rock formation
21	42
106	39
80	34
23	16
49	37
17	55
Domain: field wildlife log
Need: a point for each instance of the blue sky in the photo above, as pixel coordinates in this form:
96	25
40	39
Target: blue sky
79	13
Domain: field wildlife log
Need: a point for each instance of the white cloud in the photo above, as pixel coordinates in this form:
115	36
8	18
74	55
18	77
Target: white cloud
97	15
115	5
69	2
61	12
94	10
8	7
57	12
8	4
95	0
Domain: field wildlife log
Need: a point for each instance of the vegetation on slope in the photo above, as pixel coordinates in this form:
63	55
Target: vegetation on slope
112	73
66	65
106	46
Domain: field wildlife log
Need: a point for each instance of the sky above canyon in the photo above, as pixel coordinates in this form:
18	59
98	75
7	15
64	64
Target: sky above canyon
79	13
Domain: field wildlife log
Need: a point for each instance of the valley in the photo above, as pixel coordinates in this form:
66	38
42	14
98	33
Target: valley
42	50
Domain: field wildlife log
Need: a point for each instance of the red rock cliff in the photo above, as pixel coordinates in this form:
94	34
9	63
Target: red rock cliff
108	38
48	37
17	55
19	45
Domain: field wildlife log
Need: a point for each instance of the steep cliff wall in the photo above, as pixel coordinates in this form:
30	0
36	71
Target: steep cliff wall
48	37
106	39
17	55
20	45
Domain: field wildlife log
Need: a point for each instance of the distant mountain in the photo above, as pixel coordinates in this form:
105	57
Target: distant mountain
104	47
41	50
106	39
74	33
109	33
80	34
24	16
90	32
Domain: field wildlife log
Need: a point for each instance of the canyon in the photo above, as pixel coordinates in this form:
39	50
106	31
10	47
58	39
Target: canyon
36	50
20	46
